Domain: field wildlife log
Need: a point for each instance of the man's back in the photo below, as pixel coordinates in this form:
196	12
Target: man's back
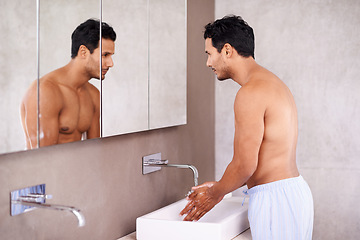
277	153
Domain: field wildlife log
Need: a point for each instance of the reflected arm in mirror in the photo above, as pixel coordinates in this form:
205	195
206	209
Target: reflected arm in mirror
50	108
51	105
28	113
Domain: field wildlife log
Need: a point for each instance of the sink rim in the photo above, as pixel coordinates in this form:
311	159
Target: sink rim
158	225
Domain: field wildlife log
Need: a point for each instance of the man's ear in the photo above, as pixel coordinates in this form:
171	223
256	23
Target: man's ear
228	50
83	51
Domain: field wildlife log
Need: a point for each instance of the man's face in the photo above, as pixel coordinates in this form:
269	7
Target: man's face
216	60
108	49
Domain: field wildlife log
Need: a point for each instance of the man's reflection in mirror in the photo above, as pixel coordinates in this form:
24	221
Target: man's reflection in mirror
69	104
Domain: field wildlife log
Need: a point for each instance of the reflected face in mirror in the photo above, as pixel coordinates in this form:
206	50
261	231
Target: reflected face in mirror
70	105
92	66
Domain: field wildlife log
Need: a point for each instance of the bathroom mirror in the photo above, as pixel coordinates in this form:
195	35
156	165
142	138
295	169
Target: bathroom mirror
125	88
167	63
58	20
146	88
18	68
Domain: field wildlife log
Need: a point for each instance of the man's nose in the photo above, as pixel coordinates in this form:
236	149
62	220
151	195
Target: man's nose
208	64
110	62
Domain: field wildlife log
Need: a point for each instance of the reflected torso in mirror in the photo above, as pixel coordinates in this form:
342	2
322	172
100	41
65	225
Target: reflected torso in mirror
69	104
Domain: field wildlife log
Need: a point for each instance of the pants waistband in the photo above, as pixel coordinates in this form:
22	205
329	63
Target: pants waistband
275	184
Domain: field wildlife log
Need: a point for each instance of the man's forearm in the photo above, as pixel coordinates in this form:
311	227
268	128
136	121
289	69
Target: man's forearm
234	177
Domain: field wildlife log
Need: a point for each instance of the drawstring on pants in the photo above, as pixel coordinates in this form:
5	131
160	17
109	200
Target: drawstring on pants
246	193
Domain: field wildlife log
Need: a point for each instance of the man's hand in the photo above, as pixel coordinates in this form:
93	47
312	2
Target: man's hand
201	201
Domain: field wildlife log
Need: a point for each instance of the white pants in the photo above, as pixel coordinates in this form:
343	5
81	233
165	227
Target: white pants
281	210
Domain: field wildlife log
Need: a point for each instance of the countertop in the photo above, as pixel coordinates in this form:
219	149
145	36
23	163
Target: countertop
246	235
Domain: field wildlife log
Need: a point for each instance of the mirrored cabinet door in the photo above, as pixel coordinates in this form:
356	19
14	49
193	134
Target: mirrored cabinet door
58	20
144	89
125	88
18	68
66	102
167	63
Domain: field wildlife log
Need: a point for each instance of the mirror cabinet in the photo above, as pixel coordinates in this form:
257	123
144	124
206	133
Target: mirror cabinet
146	87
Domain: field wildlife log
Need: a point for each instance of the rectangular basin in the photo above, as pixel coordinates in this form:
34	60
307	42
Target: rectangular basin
225	221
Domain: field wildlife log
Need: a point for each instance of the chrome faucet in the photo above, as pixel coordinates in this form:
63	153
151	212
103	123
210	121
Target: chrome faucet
27	199
154	162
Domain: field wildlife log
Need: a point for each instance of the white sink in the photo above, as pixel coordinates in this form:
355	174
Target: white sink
225	221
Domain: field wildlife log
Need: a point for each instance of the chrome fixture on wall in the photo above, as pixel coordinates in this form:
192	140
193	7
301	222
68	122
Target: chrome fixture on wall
30	198
152	163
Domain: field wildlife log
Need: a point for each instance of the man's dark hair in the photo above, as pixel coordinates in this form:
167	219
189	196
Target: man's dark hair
233	30
88	34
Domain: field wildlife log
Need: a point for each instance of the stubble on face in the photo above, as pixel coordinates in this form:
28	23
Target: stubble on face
108	50
93	65
223	74
216	61
221	70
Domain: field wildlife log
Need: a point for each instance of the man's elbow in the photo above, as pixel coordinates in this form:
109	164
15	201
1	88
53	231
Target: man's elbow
246	166
249	170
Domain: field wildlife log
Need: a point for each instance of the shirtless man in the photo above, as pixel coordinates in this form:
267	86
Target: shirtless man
69	104
280	205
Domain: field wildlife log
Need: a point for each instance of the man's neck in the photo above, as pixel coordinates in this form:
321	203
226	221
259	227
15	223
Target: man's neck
75	75
243	68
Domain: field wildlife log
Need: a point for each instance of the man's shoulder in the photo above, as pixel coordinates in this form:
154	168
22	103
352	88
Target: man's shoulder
253	89
53	78
262	83
50	89
257	92
94	91
45	85
49	85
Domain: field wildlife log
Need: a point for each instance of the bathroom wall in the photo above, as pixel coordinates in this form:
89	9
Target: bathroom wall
313	46
103	178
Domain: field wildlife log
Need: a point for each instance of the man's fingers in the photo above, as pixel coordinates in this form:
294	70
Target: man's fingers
196	213
198	186
201	215
191	196
199	202
187	208
190	216
206	184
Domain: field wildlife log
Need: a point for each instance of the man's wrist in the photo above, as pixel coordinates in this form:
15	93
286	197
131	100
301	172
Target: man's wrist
216	191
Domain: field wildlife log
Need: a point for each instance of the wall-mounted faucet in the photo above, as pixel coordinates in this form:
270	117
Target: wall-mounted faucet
27	199
152	163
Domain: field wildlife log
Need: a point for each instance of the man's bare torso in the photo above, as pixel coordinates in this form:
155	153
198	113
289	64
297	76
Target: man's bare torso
65	112
77	112
277	153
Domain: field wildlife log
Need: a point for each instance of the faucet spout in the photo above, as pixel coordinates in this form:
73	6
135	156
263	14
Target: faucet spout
152	163
29	198
191	167
73	210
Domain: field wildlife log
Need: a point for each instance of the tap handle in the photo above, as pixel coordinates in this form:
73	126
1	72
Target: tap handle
155	162
35	197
